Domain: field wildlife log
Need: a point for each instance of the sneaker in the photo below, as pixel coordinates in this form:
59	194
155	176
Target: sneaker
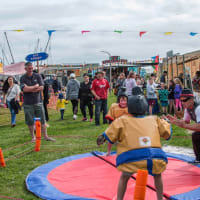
50	139
194	162
84	119
91	120
13	125
74	117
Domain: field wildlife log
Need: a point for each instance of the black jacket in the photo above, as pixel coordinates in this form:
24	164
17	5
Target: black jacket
56	86
85	91
15	105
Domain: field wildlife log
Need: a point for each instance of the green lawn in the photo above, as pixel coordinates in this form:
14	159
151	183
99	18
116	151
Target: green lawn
12	178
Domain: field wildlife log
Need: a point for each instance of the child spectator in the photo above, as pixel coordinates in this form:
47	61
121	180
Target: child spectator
151	95
171	96
117	110
61	105
139	146
163	96
177	93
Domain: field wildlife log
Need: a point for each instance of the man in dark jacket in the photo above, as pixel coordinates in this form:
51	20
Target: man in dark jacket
86	97
56	85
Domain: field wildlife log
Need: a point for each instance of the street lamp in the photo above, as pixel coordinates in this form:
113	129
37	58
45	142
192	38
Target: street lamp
109	54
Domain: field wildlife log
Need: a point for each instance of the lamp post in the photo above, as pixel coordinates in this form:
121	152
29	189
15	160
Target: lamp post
106	52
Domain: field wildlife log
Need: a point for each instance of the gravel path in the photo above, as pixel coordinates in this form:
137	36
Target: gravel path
179	150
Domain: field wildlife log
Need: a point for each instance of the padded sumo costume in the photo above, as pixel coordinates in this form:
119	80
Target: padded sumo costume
138	138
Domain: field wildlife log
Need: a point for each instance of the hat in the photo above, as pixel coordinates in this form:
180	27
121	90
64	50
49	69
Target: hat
60	96
187	93
72	75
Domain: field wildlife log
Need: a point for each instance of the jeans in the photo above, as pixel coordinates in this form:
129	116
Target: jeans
12	112
62	111
74	106
196	143
100	105
89	104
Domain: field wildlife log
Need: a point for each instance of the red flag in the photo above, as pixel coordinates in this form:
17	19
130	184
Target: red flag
156	61
142	33
84	31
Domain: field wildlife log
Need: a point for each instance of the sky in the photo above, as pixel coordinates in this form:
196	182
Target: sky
101	17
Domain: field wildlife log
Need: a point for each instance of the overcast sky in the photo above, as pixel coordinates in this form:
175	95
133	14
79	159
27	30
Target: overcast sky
102	17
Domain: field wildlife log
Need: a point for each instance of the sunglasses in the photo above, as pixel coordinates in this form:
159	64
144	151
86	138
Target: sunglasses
185	100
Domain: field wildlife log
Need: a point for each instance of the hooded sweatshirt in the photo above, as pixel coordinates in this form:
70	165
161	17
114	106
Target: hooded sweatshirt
73	89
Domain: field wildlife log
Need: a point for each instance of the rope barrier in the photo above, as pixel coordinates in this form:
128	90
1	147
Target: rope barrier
19	145
5	197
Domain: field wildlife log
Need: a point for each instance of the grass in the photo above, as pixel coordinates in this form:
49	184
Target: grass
12	178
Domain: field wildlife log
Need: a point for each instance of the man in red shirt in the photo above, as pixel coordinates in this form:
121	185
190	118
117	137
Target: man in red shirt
99	89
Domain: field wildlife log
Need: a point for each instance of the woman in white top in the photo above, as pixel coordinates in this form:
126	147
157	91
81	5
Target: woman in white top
130	83
11	91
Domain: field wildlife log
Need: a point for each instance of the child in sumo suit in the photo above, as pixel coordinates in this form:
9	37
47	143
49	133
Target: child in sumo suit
139	146
117	110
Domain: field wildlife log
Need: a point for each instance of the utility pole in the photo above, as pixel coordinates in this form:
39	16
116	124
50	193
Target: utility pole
13	61
110	66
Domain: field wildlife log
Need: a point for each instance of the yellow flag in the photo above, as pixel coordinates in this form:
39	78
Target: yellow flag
168	33
19	30
1	68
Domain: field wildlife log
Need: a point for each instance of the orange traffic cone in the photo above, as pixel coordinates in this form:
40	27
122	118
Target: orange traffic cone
38	134
140	186
2	161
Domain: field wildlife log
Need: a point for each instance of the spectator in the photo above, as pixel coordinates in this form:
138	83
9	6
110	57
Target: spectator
181	77
45	97
196	86
120	83
191	112
130	83
163	96
151	95
56	85
61	105
86	97
32	85
11	92
99	89
163	77
1	91
73	86
177	93
171	96
64	80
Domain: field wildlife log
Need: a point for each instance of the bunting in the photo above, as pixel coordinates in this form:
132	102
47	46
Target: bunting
50	32
142	33
193	33
118	31
85	31
19	30
168	33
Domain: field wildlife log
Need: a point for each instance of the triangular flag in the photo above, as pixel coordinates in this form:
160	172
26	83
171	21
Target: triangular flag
193	34
50	32
118	31
142	33
168	33
18	30
84	31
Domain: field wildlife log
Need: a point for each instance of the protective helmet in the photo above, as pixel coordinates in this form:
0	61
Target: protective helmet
122	92
137	104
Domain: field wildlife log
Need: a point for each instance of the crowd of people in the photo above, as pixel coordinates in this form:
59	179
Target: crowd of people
135	97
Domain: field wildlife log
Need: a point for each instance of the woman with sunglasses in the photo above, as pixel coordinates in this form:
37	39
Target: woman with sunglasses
191	112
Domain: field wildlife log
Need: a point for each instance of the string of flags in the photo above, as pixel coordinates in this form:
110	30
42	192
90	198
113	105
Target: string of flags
140	33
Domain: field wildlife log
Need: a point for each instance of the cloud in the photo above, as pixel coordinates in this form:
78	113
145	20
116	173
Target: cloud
102	18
